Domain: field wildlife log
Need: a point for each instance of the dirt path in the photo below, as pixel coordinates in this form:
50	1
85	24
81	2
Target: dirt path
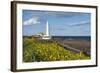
68	47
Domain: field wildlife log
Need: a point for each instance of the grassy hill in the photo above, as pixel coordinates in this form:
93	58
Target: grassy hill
36	50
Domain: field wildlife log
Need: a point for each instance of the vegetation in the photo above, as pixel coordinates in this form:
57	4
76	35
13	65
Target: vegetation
36	50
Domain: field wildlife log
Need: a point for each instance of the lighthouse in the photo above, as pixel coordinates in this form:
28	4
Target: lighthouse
47	29
47	32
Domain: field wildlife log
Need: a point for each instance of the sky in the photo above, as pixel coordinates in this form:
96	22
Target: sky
60	23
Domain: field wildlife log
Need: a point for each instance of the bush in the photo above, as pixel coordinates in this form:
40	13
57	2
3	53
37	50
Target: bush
35	50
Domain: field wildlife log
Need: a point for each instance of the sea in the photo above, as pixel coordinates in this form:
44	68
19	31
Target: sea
88	38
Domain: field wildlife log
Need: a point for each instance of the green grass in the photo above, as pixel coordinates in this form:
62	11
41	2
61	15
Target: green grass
35	50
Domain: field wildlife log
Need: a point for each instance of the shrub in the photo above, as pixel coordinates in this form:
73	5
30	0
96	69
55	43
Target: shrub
35	50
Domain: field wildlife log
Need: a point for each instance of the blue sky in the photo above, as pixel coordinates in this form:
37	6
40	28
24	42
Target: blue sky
61	23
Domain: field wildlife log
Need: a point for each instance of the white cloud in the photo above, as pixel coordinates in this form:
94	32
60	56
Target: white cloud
80	23
33	20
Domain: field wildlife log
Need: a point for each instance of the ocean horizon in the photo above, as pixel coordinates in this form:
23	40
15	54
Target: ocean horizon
69	37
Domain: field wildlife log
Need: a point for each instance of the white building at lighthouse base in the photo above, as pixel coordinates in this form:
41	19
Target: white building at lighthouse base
46	37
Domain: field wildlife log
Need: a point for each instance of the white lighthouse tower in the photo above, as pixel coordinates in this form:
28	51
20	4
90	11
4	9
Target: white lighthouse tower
47	29
47	35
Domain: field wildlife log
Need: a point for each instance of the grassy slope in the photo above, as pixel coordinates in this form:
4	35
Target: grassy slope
46	50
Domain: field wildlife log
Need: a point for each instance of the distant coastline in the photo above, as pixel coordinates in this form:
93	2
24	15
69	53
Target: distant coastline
88	38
